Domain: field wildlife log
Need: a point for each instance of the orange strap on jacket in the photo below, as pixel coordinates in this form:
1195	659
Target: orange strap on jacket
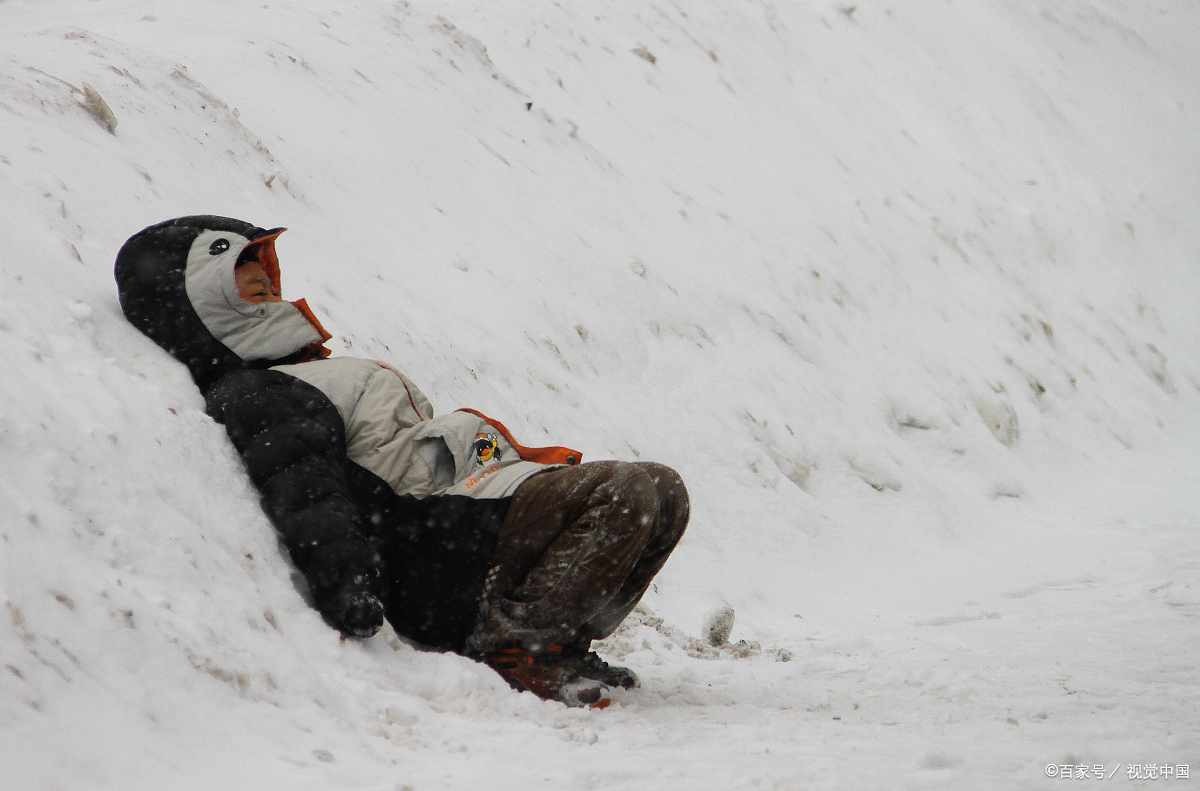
551	455
316	350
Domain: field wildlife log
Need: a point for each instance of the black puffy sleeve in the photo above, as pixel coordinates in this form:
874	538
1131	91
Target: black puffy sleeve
292	440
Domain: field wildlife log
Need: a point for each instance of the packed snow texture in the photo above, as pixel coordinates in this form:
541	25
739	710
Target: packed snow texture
907	292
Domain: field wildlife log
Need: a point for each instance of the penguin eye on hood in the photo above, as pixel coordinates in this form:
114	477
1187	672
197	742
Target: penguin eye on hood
218	247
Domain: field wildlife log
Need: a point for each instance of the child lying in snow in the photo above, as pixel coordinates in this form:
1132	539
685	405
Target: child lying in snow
463	538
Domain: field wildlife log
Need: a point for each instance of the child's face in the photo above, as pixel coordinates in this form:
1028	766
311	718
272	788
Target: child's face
253	284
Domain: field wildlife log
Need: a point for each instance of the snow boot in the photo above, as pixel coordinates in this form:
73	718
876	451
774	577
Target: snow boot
549	675
588	664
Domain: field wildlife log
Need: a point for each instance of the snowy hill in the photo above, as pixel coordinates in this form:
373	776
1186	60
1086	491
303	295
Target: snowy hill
906	292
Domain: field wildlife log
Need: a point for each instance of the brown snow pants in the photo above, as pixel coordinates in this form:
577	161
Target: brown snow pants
578	548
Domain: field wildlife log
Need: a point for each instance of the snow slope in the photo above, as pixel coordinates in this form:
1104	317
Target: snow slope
907	292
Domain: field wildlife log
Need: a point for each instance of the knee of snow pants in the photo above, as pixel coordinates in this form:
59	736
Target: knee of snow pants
579	547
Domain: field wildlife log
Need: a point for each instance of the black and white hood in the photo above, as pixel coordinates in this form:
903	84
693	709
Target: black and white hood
176	284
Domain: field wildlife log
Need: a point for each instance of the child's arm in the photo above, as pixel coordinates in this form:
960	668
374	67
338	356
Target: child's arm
292	441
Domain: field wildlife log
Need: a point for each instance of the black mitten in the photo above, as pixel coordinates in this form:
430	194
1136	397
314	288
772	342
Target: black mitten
354	612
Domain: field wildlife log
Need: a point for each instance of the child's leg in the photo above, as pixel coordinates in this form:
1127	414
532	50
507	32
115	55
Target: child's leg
571	542
673	511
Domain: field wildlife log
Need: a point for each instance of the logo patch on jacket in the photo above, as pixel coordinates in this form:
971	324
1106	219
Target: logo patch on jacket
486	448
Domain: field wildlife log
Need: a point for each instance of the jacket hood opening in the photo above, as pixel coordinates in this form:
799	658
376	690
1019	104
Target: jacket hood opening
262	250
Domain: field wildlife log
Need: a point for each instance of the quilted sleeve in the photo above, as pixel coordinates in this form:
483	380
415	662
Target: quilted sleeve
292	441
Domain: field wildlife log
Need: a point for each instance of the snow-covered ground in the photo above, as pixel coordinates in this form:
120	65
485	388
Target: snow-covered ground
906	291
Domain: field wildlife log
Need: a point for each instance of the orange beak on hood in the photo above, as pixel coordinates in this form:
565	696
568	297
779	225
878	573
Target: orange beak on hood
263	251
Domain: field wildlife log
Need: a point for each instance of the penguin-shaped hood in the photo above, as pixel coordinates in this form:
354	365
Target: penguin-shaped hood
177	284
